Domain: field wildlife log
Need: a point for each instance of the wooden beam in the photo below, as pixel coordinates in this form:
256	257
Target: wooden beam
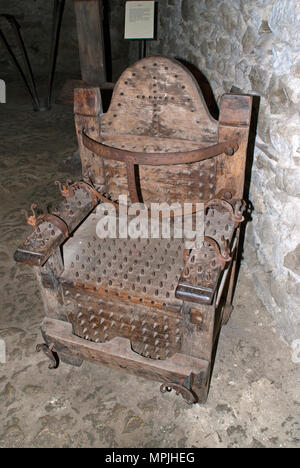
89	20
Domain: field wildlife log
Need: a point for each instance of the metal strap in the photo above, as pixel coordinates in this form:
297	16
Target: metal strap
158	159
132	158
56	221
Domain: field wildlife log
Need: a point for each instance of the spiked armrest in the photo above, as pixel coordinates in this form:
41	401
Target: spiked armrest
51	230
204	267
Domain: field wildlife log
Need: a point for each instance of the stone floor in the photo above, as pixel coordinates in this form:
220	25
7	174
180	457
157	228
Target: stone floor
254	399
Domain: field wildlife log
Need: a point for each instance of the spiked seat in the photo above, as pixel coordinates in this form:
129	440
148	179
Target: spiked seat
149	306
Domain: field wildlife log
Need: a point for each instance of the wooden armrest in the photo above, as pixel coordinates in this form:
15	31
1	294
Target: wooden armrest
200	277
203	271
51	230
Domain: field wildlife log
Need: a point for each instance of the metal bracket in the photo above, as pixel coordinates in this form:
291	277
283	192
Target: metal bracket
188	396
222	253
50	352
235	208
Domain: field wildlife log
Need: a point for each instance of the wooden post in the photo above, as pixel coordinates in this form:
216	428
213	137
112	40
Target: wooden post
89	20
87	109
234	123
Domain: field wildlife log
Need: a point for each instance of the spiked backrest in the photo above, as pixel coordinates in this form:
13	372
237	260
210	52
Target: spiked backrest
157	107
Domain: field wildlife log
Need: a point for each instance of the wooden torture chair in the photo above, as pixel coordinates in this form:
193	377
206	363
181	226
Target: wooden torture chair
150	307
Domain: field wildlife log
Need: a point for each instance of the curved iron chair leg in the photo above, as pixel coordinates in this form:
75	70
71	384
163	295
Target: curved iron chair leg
50	352
187	394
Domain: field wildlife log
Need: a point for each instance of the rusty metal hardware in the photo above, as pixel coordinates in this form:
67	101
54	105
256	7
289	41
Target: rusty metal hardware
31	220
68	190
235	208
47	217
239	208
225	193
132	158
188	396
50	352
222	252
158	159
147	306
65	190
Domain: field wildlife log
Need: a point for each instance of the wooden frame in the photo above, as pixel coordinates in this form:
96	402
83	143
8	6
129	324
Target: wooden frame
161	318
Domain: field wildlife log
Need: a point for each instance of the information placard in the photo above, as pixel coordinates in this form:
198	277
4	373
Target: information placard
139	19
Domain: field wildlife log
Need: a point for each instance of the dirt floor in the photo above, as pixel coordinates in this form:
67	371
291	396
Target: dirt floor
254	399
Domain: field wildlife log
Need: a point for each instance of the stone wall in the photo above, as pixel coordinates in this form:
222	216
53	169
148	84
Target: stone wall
253	46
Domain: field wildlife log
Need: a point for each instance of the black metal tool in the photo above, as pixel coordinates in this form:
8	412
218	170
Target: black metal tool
26	71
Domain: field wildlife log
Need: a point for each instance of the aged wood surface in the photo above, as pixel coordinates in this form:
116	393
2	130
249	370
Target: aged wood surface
48	280
157	107
150	307
87	109
90	40
235	115
66	96
47	237
118	355
147	269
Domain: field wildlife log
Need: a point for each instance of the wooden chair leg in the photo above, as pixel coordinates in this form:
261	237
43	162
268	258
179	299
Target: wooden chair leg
70	360
201	392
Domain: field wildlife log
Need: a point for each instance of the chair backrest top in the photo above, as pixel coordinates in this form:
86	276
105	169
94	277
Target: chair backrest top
157	106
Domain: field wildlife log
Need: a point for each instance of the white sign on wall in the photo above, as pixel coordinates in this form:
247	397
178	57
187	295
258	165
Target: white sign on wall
139	19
